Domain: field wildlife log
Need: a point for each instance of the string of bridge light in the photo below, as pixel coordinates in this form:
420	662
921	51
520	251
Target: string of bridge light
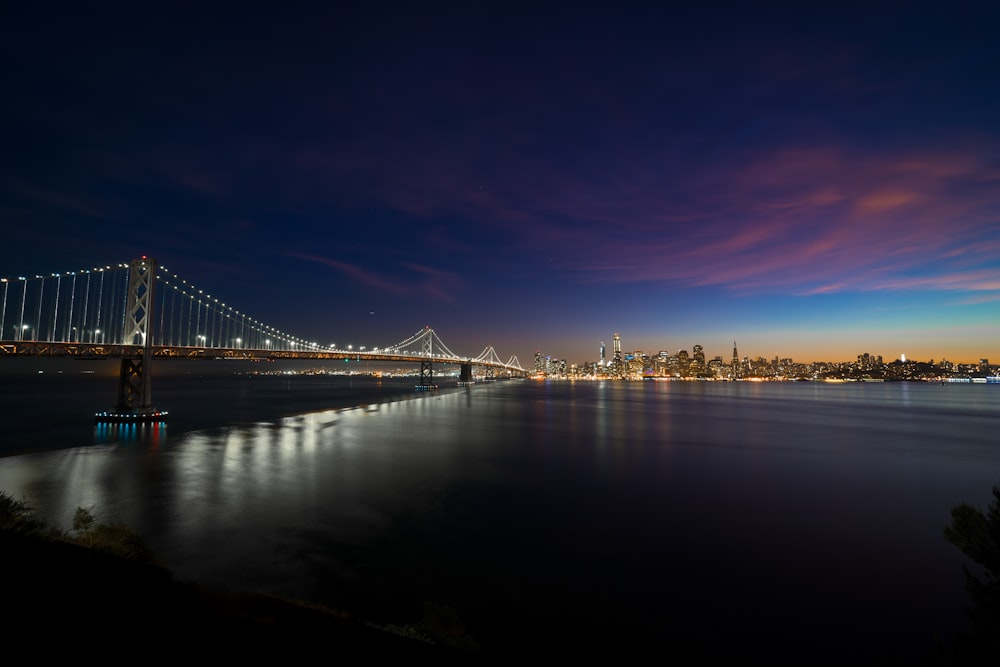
102	316
211	332
428	336
490	355
80	322
96	312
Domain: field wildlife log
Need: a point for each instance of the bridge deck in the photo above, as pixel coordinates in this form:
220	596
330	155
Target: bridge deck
28	348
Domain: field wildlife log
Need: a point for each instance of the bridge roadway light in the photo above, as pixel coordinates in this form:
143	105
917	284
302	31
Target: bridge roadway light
267	343
238	341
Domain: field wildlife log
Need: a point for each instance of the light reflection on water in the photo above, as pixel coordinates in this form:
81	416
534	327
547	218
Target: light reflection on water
150	434
766	512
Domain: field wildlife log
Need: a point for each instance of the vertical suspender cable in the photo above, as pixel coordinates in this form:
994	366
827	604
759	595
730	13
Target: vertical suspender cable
72	300
24	297
100	302
125	306
55	308
3	311
38	317
86	304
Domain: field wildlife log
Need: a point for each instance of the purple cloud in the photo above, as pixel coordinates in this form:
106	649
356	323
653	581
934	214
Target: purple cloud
436	284
804	220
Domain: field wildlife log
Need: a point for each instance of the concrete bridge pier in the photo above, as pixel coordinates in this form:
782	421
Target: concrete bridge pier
465	375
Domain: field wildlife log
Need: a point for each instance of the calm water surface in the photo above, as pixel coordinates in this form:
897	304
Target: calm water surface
779	522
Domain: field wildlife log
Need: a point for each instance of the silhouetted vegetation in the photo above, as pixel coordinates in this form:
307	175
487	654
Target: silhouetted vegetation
113	538
977	534
18	516
109	537
99	577
440	625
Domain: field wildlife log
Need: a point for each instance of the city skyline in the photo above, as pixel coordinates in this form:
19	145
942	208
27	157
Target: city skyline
710	352
814	181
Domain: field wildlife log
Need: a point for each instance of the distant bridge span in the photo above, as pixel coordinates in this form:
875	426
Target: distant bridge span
91	351
139	311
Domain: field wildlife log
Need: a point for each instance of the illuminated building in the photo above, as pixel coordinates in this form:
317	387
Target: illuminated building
617	363
698	361
683	363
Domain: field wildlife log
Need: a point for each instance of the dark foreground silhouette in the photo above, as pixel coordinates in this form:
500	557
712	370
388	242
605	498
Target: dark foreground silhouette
62	594
70	596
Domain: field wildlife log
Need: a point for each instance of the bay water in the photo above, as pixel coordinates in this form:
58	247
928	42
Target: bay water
776	523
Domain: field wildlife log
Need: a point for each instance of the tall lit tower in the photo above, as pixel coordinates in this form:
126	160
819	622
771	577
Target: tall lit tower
736	360
603	361
617	360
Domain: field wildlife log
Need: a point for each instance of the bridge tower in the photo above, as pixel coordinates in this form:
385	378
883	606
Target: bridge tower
134	379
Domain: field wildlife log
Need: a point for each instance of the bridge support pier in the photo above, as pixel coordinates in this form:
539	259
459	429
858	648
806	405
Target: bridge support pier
134	381
426	376
465	376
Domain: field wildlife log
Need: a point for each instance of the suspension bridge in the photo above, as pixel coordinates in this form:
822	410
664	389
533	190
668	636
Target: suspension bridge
140	311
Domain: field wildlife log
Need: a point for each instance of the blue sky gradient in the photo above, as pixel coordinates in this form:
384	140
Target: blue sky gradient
813	182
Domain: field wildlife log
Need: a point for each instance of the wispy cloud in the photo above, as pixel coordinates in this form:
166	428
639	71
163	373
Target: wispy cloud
796	216
806	220
427	281
438	284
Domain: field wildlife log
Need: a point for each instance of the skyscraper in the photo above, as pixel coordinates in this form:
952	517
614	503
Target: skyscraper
603	361
698	361
617	361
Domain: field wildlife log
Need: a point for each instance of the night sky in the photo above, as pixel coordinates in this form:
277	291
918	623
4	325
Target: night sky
811	183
